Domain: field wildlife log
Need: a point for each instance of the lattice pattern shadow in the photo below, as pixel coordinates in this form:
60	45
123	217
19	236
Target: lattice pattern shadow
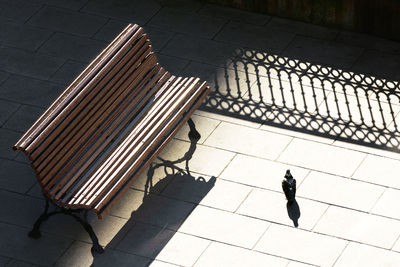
310	98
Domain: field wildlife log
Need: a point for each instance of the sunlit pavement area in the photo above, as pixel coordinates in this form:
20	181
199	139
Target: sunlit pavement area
321	102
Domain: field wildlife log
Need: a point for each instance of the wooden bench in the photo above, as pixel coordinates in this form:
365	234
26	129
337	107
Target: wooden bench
106	128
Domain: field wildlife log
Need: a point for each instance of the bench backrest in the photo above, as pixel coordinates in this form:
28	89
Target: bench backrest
83	127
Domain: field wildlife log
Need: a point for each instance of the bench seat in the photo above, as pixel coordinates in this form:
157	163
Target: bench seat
104	130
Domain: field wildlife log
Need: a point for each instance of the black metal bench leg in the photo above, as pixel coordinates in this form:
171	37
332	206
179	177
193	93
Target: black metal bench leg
35	232
193	133
96	248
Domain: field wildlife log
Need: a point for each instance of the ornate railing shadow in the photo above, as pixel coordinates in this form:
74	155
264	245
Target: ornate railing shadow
310	98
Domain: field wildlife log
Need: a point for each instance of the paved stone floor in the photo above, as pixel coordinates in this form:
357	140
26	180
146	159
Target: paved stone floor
228	209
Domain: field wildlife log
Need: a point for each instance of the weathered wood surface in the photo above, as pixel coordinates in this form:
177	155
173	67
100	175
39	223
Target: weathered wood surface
109	124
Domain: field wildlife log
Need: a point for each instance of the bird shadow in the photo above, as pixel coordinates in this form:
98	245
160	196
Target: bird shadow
293	211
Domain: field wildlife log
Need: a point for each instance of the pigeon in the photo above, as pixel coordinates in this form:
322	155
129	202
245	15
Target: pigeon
289	187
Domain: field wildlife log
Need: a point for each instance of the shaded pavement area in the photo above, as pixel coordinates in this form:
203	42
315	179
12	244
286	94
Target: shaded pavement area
321	102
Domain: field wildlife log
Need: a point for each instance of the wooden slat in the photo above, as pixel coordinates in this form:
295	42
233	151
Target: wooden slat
95	118
75	86
103	208
134	149
111	111
109	124
113	127
59	128
72	105
141	146
92	154
94	181
193	102
71	129
113	130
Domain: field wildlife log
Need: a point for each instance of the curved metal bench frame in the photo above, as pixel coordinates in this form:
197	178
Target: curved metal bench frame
106	128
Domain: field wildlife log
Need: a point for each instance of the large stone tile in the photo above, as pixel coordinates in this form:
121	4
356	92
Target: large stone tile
72	47
340	191
43	251
387	204
68	72
366	149
368	41
227	118
36	191
297	264
225	195
21	157
71	4
205	126
4	261
156	263
299	134
22	36
7	140
322	157
63	20
200	50
379	64
26	63
224	227
187	23
271	206
159	37
208	191
260	173
21	210
225	81
17	177
359	110
18	10
154	179
248	140
162	211
137	11
183	250
234	14
23	119
79	255
218	255
30	91
110	30
361	227
322	51
106	229
288	94
300	245
301	28
259	37
205	160
129	202
172	64
396	246
18	263
4	76
379	170
145	240
185	5
362	255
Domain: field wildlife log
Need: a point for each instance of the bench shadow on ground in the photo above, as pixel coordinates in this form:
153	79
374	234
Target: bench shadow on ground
309	98
155	222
